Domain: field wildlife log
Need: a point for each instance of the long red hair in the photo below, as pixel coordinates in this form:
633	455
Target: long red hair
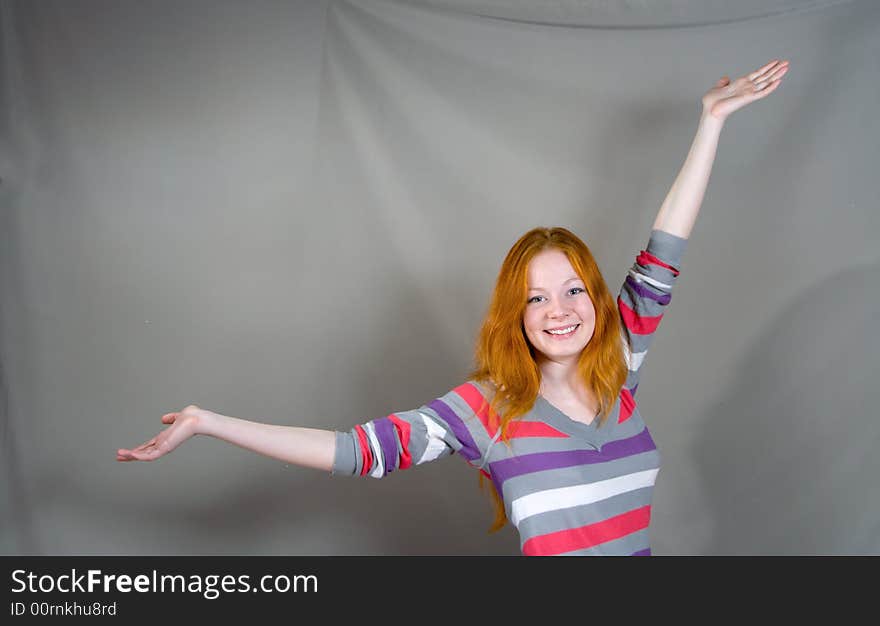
505	359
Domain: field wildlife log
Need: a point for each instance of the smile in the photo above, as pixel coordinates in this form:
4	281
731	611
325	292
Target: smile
563	332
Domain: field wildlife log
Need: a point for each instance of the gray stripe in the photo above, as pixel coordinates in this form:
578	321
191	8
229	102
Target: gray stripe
633	542
345	457
667	247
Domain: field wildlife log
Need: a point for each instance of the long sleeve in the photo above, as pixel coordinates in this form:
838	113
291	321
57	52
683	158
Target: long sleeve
452	423
645	294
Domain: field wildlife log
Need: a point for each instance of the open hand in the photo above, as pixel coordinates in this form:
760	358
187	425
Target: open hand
726	97
184	424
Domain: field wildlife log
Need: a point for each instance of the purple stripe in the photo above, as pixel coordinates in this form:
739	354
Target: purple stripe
469	449
497	483
542	461
645	552
388	442
644	292
628	447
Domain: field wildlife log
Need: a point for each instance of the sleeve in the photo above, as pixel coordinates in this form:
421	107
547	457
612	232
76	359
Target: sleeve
452	423
645	294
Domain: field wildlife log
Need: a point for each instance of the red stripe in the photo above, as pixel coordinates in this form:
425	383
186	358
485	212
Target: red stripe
403	429
641	325
646	258
589	535
480	406
627	405
518	430
366	454
491	422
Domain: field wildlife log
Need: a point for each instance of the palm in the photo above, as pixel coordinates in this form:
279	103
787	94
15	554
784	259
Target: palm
726	97
182	428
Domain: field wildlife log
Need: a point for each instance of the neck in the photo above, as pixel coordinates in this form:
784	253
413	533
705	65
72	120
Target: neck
559	375
560	383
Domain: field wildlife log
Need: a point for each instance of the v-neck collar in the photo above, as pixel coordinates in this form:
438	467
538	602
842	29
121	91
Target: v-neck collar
595	435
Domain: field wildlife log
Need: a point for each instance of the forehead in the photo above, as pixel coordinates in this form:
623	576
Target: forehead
550	267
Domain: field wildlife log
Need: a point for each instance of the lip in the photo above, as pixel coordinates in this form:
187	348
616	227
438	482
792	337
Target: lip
563	337
566	326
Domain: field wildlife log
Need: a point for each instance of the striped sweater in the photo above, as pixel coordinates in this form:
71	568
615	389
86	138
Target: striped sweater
569	488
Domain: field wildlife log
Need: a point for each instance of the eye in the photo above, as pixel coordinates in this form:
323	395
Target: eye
532	299
577	290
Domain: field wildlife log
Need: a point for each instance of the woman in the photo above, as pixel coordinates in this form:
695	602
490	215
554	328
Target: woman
548	415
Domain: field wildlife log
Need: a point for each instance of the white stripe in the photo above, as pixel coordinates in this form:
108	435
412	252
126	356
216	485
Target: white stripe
568	497
436	445
634	361
651	281
379	470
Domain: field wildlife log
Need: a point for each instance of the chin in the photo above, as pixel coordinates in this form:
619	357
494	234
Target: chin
562	354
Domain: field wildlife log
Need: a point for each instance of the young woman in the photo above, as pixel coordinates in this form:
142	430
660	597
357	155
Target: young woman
548	415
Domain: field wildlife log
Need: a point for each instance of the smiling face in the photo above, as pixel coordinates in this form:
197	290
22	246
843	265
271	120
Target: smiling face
559	318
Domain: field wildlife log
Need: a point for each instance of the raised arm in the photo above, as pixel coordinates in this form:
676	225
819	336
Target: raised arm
682	205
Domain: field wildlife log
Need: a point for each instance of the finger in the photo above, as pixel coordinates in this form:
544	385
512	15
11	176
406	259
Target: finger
760	71
148	455
143	445
779	72
125	455
763	92
773	72
766	92
169	418
144	455
125	452
146	444
764	84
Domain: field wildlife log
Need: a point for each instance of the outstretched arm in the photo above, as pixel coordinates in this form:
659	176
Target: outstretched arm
682	205
308	447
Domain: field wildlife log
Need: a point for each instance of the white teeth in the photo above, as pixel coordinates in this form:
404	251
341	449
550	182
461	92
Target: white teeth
564	331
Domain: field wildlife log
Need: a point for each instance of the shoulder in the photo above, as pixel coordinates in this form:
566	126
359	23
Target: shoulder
474	391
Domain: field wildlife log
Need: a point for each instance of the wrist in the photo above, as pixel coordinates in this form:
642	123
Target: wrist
206	422
710	121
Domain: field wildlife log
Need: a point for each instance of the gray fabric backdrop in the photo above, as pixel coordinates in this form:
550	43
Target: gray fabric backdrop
294	212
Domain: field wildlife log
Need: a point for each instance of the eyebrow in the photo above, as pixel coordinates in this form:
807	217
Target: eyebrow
565	283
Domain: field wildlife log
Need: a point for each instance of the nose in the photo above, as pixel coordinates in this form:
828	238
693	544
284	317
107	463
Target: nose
557	310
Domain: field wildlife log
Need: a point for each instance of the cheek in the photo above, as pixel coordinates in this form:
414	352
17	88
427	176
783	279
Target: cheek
531	323
588	312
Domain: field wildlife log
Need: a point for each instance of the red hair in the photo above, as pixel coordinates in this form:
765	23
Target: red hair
504	358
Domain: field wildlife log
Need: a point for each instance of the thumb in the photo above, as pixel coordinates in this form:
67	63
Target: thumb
723	81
